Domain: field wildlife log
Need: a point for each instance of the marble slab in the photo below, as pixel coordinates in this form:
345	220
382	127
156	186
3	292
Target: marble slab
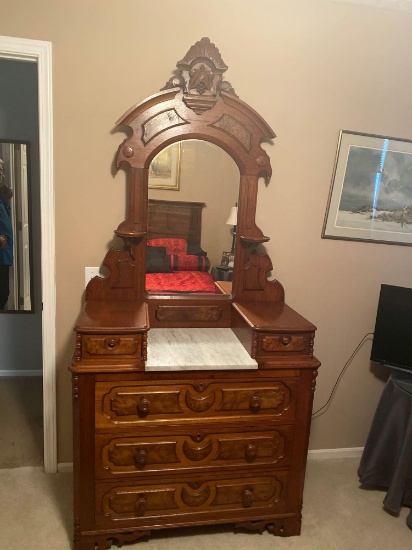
175	349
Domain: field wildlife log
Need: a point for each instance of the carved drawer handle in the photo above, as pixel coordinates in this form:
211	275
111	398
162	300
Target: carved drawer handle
285	340
251	451
247	498
141	505
255	403
141	457
144	406
112	343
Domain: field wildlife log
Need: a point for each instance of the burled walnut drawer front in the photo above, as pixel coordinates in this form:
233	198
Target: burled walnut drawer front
187	401
112	345
133	455
284	344
183	499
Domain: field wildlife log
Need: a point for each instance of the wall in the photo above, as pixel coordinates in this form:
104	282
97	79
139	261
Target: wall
20	334
310	69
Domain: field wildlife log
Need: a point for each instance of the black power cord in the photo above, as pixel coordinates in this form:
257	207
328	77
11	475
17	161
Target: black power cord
342	372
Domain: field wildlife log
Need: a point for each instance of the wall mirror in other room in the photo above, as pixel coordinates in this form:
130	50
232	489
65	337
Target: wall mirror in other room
15	234
193	189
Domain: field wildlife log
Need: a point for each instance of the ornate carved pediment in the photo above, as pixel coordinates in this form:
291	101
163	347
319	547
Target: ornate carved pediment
200	76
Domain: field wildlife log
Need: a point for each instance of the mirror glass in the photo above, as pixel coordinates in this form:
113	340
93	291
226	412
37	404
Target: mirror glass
15	270
193	187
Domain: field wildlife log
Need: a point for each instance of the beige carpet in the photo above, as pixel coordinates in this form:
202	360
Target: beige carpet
36	512
21	421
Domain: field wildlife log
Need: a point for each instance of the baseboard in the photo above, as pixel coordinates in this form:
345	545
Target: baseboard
353	452
65	467
16	373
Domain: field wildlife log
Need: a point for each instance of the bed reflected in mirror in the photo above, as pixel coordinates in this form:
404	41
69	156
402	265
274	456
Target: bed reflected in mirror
15	249
193	186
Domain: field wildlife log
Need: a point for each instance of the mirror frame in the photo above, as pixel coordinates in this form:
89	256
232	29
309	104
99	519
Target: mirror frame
19	253
195	104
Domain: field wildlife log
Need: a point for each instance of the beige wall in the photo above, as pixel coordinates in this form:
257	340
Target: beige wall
309	68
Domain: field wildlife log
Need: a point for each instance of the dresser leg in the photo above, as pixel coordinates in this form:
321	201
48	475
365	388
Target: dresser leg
284	527
104	542
287	527
84	543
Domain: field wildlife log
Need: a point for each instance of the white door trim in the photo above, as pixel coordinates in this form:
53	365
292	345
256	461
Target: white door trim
41	52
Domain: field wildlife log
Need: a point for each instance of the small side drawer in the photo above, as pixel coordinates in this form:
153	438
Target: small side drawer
284	344
94	347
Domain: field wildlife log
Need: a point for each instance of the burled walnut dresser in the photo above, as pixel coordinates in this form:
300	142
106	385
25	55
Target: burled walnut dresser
190	408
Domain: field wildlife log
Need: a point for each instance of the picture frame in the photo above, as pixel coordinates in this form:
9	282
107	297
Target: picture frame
227	260
370	197
164	170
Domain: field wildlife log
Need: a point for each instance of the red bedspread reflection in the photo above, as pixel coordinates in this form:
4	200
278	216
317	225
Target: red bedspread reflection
179	281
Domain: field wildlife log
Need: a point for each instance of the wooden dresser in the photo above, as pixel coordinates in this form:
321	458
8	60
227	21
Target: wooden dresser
213	440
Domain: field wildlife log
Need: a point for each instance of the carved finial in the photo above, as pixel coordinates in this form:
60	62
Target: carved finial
200	76
203	49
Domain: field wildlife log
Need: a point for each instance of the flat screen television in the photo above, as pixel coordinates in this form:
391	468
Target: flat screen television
392	340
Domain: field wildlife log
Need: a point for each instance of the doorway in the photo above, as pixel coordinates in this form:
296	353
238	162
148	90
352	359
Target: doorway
39	53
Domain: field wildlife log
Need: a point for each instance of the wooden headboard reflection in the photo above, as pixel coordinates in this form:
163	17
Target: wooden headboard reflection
175	219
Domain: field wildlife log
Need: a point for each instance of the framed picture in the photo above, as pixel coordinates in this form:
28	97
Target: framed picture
228	259
371	193
164	170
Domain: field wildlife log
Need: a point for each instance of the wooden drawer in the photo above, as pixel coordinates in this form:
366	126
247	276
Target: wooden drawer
102	347
188	499
270	344
197	449
166	402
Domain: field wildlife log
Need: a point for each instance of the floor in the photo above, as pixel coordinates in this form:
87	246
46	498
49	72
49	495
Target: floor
21	421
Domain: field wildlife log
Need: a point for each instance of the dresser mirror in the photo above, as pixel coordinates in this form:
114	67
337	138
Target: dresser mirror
194	156
193	186
15	253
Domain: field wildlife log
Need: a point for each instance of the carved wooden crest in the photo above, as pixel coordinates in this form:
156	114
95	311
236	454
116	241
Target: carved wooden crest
200	76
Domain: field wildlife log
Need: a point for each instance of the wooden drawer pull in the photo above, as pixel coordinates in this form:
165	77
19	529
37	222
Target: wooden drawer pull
144	406
286	340
251	451
112	343
255	403
247	498
141	505
141	457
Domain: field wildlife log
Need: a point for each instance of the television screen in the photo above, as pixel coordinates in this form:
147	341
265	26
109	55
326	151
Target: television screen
392	340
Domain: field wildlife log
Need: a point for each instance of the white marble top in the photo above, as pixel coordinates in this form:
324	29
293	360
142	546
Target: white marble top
174	349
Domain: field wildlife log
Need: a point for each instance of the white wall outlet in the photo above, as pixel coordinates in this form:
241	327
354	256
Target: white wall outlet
90	272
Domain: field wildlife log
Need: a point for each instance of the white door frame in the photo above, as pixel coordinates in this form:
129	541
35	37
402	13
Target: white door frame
40	52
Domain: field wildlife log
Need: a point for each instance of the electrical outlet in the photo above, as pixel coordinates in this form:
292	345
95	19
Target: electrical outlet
90	272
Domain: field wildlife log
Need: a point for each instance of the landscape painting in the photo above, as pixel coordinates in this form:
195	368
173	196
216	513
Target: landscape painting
371	193
164	170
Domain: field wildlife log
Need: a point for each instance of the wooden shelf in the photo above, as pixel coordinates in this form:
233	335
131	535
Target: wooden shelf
130	234
257	240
